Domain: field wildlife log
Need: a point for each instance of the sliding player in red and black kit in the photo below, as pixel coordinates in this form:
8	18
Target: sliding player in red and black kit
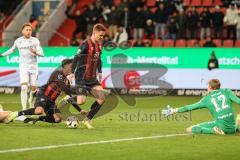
87	66
46	97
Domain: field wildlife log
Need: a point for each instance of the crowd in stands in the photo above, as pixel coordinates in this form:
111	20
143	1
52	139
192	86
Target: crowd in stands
7	7
166	19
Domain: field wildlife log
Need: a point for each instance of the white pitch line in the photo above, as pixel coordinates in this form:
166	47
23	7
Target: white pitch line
89	143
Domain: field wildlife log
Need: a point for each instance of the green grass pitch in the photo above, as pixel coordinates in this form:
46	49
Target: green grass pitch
142	120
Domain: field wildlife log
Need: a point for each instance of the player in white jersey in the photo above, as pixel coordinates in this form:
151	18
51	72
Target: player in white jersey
29	48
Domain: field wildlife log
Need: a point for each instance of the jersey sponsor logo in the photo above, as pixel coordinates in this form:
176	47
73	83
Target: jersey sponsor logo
60	77
26	47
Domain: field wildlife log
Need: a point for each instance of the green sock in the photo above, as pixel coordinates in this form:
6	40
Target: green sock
202	130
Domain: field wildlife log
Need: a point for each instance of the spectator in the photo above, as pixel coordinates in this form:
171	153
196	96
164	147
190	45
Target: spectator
209	42
120	36
91	17
105	13
170	7
74	42
238	27
138	24
205	21
226	3
113	21
149	30
126	20
139	43
148	13
107	3
106	40
217	21
213	62
80	23
231	21
34	23
173	27
161	17
182	22
192	23
98	5
123	4
179	5
140	3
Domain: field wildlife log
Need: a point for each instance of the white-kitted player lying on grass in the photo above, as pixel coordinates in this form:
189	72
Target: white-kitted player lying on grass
7	116
219	103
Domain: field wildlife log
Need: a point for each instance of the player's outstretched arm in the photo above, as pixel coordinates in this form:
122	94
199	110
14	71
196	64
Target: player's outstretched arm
233	97
192	107
169	110
9	51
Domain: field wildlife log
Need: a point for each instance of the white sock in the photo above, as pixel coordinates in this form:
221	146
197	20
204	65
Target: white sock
31	99
24	90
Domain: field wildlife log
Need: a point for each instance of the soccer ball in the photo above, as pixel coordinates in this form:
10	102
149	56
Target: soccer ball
72	122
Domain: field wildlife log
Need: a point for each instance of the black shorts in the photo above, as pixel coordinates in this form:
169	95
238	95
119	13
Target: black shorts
84	87
49	107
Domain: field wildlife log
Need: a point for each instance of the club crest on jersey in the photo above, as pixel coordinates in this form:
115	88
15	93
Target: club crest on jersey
60	76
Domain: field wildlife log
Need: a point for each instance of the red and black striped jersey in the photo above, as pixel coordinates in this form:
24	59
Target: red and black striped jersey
88	62
57	83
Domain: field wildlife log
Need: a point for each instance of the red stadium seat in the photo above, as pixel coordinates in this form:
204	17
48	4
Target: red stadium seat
157	43
207	2
168	43
132	42
187	2
154	9
181	43
218	2
228	43
199	10
202	42
196	3
191	43
211	9
218	42
117	2
237	44
223	10
150	3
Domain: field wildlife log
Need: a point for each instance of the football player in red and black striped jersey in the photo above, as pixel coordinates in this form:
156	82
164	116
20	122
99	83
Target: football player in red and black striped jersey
47	95
87	67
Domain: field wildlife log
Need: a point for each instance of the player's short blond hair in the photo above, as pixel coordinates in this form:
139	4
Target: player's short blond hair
214	84
99	27
26	25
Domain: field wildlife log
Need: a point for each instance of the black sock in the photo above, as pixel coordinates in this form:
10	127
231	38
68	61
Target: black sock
29	111
94	109
49	119
73	101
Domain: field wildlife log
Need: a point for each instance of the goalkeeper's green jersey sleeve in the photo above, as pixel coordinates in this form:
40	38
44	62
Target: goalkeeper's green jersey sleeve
198	105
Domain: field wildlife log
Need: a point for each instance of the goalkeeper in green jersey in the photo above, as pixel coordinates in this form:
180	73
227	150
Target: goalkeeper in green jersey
219	103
